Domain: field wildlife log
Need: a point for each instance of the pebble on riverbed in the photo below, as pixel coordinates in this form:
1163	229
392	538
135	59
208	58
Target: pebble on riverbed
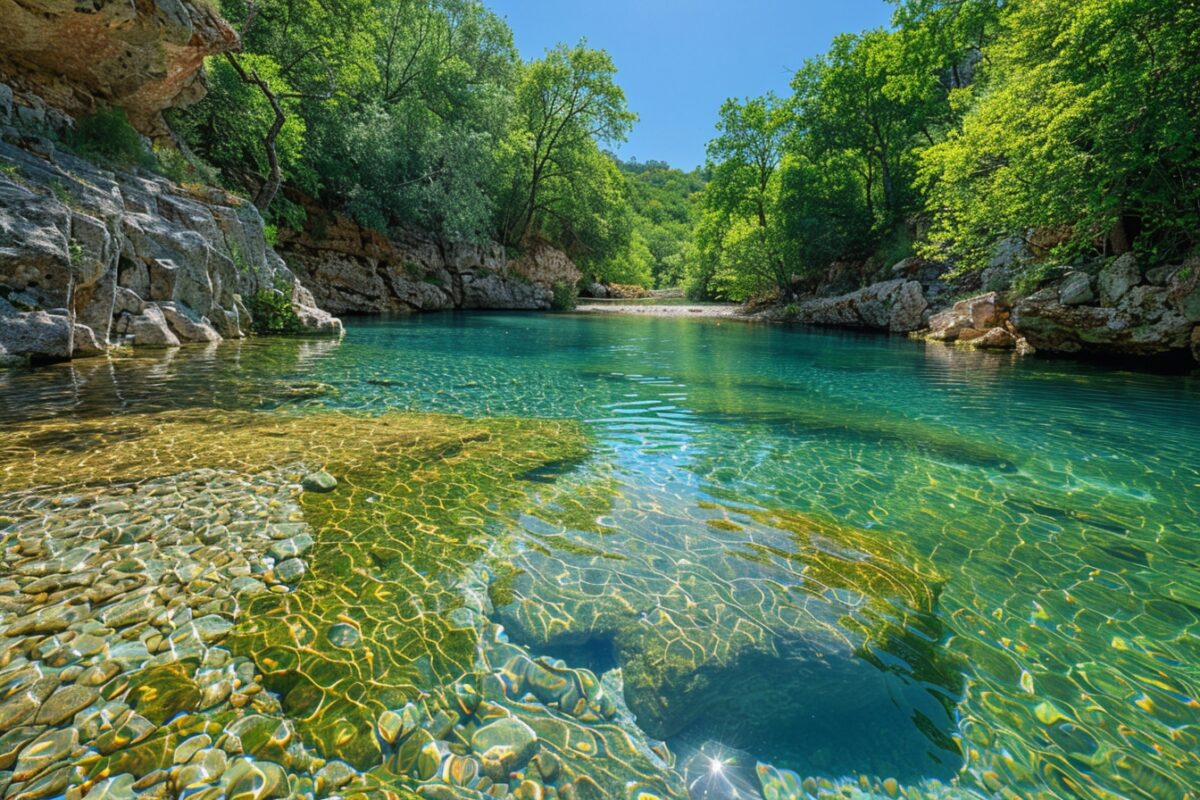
114	605
320	482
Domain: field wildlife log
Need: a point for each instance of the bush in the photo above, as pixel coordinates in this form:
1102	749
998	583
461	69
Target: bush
108	135
565	296
272	313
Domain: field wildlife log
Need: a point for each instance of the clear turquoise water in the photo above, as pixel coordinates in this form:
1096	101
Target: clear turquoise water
1032	619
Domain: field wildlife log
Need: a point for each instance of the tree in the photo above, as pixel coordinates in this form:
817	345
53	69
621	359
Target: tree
743	220
565	103
293	51
1085	127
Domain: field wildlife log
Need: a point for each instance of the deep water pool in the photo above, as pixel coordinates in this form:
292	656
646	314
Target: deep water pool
821	562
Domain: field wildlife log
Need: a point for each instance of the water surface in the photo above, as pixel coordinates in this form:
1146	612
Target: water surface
843	555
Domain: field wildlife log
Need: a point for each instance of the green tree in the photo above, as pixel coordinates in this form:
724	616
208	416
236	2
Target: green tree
565	104
743	222
1084	125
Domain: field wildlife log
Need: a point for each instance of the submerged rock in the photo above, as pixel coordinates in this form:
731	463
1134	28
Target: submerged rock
504	746
319	482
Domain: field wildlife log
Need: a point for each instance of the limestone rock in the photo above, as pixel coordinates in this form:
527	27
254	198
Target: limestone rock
1118	278
1196	343
38	334
150	329
187	325
898	305
1076	289
969	320
105	246
504	746
143	57
996	339
351	269
319	482
1142	324
85	343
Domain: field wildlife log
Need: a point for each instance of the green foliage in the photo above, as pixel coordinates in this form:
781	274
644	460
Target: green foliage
558	183
60	192
665	203
272	313
108	136
741	236
229	125
565	296
1084	123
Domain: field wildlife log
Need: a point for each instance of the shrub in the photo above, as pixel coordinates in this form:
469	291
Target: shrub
108	135
564	296
272	313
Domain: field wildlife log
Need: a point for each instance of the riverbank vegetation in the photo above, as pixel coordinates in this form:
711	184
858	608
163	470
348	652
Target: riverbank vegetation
1067	124
1070	125
422	114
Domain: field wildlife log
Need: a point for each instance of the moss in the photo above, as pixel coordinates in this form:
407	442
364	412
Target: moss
419	497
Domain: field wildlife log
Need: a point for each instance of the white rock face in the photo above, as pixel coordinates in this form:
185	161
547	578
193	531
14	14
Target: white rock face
94	257
898	306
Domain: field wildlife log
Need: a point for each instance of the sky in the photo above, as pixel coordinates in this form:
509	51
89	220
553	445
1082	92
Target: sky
678	60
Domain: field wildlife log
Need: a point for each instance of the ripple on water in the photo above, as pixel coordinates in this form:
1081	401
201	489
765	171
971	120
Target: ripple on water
1036	521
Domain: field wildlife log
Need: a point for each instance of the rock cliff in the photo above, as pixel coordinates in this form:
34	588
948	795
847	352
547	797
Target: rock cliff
141	56
355	270
91	258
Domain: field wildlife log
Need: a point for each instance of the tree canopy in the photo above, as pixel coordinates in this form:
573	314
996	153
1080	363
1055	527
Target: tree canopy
967	122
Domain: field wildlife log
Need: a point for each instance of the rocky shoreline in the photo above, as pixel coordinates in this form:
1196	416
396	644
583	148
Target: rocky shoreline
1118	311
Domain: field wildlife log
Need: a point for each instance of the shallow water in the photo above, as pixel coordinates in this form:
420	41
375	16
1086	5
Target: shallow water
843	555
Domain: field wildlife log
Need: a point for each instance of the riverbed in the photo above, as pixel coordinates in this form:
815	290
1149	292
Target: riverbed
600	556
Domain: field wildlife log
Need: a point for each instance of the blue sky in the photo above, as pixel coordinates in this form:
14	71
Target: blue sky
680	59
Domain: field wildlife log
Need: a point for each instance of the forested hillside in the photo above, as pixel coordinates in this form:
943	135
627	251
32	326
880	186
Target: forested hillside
1068	125
418	113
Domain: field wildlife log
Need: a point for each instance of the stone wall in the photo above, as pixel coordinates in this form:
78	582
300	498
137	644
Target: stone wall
91	258
352	269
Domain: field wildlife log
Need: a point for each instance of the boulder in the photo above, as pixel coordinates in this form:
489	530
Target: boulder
504	746
187	325
1118	278
1076	289
1143	323
1008	257
150	329
898	306
995	339
969	320
86	343
35	335
1184	291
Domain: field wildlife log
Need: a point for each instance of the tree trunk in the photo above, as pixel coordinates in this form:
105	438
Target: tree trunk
1119	237
266	193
